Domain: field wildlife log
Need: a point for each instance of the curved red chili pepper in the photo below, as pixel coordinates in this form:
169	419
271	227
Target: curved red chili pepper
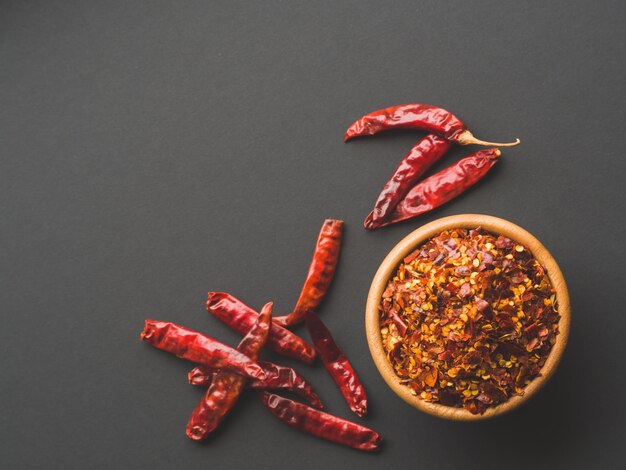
419	159
442	187
321	272
278	377
417	116
321	424
234	313
195	347
226	386
337	365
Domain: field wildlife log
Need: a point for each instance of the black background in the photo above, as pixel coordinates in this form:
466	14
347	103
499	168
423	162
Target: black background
152	151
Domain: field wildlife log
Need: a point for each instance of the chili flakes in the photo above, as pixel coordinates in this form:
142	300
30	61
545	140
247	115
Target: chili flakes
469	319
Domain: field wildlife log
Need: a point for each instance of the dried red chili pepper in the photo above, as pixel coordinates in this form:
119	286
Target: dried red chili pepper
441	187
419	159
195	347
226	386
278	377
234	313
417	116
320	424
321	272
337	365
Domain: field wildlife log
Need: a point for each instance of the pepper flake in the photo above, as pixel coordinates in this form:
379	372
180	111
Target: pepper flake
469	319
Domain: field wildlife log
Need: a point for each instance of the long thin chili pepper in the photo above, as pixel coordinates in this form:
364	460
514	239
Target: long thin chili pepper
278	377
418	116
442	187
337	365
320	424
195	347
226	386
419	159
237	315
321	272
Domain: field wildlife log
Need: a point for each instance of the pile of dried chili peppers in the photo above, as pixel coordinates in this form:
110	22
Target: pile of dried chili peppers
225	371
404	196
469	319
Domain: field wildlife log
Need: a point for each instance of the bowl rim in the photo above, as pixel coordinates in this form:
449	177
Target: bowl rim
416	238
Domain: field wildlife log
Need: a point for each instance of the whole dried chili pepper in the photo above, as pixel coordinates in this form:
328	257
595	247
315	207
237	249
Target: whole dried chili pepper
195	347
419	159
418	116
321	272
234	313
278	377
289	379
337	365
321	424
226	386
441	187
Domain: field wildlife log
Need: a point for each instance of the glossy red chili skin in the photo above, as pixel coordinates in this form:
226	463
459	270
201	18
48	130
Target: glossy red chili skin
321	272
320	424
195	347
337	365
278	377
234	313
443	186
226	386
419	159
408	116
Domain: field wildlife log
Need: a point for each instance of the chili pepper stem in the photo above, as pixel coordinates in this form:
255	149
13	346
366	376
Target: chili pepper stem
467	138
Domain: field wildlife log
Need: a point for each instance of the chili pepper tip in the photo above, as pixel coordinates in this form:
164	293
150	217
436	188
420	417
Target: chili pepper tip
147	332
196	433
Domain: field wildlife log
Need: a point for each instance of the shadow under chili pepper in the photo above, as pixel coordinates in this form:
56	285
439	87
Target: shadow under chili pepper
396	135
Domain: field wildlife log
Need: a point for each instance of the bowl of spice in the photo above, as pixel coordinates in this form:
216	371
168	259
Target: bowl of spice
467	317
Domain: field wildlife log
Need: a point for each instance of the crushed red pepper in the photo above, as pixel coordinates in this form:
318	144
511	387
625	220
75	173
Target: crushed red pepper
469	319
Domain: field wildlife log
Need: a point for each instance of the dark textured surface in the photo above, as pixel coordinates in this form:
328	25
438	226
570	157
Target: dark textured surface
152	151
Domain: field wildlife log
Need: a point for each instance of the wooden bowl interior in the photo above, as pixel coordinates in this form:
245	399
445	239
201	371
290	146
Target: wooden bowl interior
417	238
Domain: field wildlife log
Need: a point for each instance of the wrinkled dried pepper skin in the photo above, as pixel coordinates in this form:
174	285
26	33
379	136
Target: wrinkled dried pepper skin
226	386
320	424
419	159
321	272
337	365
237	315
421	117
408	116
195	347
442	187
278	377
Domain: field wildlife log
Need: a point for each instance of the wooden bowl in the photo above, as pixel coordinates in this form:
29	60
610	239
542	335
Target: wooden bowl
413	241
